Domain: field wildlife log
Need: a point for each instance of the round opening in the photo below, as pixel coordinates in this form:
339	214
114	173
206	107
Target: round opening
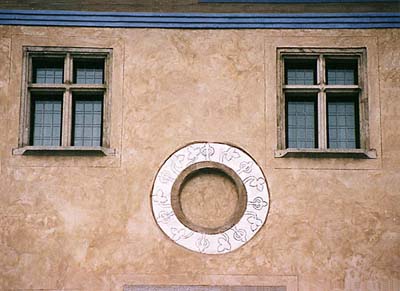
208	197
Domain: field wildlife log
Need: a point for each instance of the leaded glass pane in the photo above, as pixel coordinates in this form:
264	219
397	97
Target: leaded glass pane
48	71
300	72
47	122
341	72
341	77
89	71
88	122
301	124
342	130
300	76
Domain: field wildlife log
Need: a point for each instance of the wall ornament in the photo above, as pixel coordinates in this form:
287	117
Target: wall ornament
252	206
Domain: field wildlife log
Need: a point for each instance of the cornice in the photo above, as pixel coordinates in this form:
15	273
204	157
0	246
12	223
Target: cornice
200	20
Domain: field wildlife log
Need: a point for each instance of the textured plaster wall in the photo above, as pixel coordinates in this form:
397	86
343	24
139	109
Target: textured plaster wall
85	223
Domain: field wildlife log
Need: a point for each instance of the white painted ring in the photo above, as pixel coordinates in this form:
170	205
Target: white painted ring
254	183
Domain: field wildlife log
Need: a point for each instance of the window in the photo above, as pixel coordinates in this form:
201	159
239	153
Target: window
65	102
322	102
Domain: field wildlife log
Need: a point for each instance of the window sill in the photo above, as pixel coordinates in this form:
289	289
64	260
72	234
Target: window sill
326	153
63	151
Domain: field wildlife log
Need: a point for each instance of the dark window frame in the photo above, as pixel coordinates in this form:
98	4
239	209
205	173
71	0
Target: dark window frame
341	63
322	89
87	60
46	60
68	88
302	63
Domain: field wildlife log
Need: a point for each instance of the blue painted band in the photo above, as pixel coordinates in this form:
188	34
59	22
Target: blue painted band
199	20
199	15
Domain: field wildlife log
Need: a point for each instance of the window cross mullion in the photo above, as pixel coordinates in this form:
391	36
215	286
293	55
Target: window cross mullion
66	118
322	115
67	102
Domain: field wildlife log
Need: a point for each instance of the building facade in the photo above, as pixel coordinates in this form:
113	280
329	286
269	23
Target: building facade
95	97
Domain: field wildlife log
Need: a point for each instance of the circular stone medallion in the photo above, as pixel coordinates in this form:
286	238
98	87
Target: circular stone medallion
251	207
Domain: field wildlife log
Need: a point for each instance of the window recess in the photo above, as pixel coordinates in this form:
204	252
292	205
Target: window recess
65	101
322	104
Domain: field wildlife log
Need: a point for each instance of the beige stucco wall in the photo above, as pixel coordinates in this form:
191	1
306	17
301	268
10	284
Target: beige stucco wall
85	223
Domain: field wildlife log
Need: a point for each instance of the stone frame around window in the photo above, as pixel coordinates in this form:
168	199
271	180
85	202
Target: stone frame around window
321	89
67	88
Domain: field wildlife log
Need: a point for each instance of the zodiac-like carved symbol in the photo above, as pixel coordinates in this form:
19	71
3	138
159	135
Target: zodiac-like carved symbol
253	220
161	199
166	177
202	243
193	154
255	182
258	203
239	234
223	243
165	217
229	154
180	234
207	151
177	163
245	167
